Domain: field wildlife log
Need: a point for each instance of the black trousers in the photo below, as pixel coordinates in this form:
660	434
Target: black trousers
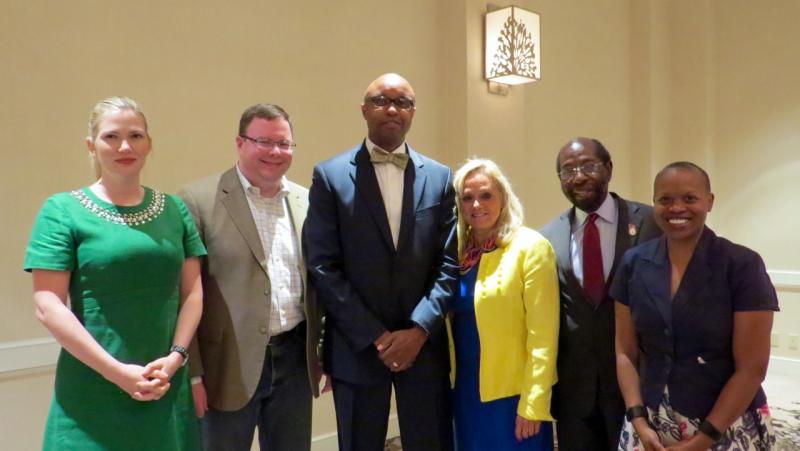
598	431
423	410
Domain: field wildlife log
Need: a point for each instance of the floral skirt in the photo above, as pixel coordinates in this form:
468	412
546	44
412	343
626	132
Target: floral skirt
751	431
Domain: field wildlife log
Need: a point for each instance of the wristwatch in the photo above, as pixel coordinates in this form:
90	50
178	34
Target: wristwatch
182	351
639	411
710	430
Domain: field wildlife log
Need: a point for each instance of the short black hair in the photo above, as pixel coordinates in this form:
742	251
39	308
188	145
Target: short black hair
600	150
684	166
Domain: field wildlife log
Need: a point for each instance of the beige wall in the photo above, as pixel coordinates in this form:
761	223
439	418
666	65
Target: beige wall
583	92
713	83
24	403
194	66
757	139
757	128
708	80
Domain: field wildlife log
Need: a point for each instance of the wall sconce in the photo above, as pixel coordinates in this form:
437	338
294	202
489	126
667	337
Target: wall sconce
513	47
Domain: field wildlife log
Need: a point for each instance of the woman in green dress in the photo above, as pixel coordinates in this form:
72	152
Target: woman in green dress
116	280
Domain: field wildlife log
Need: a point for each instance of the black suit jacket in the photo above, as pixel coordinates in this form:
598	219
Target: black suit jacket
586	337
366	285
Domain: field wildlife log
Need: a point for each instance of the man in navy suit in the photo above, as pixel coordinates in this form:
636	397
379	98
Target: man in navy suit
380	247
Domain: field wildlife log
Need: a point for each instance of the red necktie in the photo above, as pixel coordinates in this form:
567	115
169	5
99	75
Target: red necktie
594	284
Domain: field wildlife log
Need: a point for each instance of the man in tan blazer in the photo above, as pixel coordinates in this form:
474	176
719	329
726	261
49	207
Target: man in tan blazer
254	361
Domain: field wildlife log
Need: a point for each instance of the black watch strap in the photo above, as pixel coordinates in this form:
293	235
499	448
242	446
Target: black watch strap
636	412
182	351
710	430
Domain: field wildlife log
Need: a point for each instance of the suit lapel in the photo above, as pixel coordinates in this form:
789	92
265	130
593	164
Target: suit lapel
561	240
624	239
561	245
363	175
413	187
656	278
632	226
629	226
698	273
233	198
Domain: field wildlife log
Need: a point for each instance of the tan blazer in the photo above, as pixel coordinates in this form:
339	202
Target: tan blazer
230	345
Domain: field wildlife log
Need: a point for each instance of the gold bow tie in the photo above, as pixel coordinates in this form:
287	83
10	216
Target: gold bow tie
398	159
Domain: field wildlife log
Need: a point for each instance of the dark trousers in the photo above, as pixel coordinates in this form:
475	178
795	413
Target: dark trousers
598	431
280	407
423	410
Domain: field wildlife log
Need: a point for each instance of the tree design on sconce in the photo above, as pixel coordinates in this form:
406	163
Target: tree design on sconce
515	51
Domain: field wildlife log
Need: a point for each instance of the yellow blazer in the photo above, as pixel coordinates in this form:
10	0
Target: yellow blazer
516	310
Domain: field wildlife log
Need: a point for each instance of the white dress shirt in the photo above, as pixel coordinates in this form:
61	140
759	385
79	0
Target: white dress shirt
279	241
391	180
608	217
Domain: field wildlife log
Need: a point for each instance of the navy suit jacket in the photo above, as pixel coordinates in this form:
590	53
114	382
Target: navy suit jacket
685	341
366	285
586	356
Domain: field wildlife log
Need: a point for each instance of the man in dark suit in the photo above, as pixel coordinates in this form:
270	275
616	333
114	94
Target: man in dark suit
590	239
380	247
254	361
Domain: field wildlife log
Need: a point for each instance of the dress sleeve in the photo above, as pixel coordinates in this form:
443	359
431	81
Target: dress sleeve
752	288
52	241
192	244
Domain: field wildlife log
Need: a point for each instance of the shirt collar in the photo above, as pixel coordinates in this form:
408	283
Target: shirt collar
371	146
607	211
251	189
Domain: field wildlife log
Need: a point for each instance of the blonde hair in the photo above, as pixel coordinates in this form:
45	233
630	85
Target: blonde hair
511	213
102	109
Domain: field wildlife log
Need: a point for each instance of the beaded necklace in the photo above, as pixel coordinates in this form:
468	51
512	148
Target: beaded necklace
153	209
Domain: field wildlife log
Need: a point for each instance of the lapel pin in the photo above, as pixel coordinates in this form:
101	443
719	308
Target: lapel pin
632	229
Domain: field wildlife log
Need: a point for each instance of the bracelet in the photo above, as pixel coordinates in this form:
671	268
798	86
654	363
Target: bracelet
639	411
182	351
710	430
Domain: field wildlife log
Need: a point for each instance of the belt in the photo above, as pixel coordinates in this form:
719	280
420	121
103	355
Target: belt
279	339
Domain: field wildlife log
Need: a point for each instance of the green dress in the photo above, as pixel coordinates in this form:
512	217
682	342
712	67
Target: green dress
125	265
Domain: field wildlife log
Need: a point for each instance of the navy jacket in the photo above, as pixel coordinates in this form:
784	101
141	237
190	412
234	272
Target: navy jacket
365	284
686	343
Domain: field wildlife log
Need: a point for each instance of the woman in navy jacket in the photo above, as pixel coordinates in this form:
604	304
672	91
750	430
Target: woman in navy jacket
693	315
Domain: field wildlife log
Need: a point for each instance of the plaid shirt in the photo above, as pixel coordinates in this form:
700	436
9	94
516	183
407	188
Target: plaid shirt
279	241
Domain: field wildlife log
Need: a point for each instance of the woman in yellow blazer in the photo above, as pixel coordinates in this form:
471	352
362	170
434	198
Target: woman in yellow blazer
504	321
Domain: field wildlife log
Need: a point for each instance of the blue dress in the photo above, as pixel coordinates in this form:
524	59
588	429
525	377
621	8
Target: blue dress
481	426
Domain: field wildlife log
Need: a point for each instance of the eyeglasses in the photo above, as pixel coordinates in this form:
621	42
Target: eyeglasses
590	168
266	143
401	103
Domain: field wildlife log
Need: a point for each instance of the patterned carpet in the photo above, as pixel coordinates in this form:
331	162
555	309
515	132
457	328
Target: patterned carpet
783	395
787	427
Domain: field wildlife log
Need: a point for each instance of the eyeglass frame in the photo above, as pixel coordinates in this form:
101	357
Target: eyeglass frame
268	143
372	100
582	168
